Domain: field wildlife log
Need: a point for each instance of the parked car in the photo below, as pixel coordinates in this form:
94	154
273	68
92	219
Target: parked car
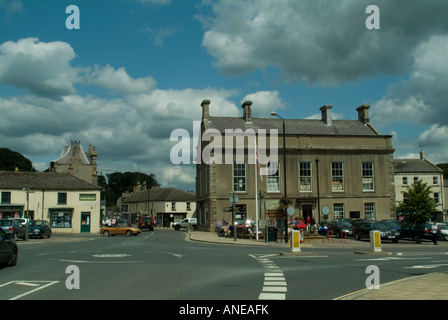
146	223
39	228
392	223
361	230
119	230
8	249
15	228
409	231
339	227
297	224
443	231
185	223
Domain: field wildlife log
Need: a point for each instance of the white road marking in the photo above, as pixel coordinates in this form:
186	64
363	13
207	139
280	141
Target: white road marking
274	285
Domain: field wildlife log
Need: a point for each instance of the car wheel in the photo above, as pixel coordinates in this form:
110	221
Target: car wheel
106	233
129	233
49	235
177	228
14	256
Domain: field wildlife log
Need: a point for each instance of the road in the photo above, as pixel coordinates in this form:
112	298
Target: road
164	266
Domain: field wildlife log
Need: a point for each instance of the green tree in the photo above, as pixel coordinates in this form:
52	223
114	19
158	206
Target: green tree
417	207
9	160
444	167
118	182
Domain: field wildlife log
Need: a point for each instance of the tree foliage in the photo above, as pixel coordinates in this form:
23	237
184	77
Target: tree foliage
117	183
417	207
9	160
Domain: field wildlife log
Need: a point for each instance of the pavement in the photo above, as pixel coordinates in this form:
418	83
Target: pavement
432	286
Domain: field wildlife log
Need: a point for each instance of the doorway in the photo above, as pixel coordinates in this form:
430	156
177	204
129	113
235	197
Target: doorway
85	222
307	210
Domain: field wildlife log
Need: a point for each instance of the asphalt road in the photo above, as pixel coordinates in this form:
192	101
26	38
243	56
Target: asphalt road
164	266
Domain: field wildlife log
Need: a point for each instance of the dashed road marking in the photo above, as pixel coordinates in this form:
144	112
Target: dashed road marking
274	284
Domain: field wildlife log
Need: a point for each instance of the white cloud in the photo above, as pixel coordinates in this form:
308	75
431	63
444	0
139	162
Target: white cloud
119	81
319	41
38	67
131	130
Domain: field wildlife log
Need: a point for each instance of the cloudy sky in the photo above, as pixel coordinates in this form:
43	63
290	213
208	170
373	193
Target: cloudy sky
136	70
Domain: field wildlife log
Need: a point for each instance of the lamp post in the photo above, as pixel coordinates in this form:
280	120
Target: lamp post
274	114
105	180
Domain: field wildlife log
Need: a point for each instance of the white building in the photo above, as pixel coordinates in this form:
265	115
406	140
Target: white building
408	171
70	204
164	204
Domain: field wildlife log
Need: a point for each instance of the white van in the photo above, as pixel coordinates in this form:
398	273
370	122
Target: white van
191	223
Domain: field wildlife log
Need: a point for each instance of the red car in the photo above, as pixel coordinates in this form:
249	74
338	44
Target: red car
297	224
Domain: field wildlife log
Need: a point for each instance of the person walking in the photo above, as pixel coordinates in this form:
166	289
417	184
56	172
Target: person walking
435	232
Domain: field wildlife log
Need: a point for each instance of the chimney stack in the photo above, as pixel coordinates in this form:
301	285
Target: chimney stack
422	155
247	113
205	109
363	113
326	114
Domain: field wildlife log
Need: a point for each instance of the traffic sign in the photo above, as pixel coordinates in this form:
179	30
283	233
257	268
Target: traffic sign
233	198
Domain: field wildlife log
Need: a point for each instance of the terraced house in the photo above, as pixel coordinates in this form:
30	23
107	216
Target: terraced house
70	204
334	169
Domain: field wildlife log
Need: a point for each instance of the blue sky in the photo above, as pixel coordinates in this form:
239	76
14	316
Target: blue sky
138	69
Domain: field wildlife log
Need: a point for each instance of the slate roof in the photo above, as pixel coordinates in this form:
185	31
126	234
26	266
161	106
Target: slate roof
43	181
161	194
415	165
296	126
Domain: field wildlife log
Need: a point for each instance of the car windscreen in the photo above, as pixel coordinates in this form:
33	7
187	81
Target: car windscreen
36	223
5	223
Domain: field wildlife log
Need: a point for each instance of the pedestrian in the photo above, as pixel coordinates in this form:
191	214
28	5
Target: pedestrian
308	223
218	225
435	232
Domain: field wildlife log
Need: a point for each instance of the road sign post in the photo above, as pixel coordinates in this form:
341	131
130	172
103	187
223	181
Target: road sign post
233	199
295	241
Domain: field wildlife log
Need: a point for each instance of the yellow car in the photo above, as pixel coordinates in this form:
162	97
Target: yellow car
120	230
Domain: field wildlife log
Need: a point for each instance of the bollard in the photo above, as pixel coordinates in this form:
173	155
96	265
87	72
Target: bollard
294	241
375	241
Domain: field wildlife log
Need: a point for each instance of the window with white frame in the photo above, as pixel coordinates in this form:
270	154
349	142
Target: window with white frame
273	184
338	210
367	176
435	181
305	177
337	176
369	211
405	181
437	197
239	177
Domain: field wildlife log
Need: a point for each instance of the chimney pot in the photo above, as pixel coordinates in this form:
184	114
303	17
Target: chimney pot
326	114
363	113
247	113
205	109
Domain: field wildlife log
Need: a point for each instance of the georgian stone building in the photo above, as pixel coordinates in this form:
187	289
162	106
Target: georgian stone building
334	169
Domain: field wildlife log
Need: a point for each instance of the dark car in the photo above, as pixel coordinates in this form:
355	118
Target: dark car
39	228
409	231
392	223
340	227
361	230
14	228
8	249
146	223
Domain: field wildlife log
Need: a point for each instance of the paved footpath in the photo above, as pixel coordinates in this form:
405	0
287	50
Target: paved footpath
433	286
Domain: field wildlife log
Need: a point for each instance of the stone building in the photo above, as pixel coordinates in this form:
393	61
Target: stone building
334	169
75	161
165	204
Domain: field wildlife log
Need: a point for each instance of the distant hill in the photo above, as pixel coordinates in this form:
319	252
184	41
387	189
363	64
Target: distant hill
9	160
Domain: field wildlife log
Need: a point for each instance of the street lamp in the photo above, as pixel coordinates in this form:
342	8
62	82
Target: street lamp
274	114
